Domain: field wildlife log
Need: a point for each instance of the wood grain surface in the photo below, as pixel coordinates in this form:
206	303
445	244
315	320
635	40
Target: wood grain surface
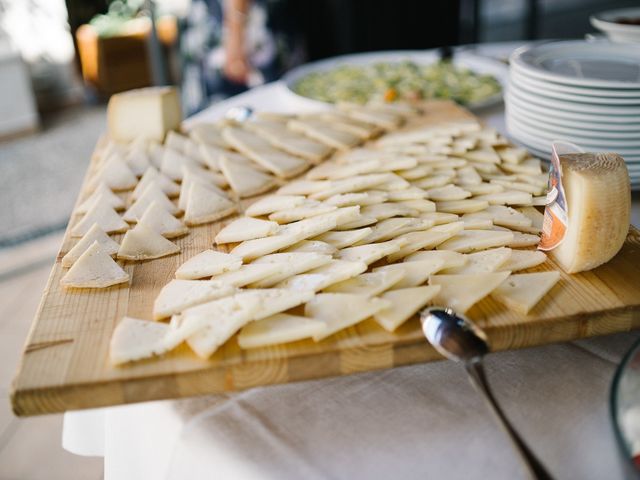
65	361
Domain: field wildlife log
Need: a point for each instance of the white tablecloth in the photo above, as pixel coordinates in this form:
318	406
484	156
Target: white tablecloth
422	421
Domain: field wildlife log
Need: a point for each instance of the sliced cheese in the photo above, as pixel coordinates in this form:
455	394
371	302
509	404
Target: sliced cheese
292	264
322	277
206	205
152	194
372	252
274	203
461	292
244	180
94	269
308	209
344	238
469	241
103	194
462	206
314	246
448	192
178	295
163	222
95	234
104	216
449	259
325	133
523	291
404	304
116	174
246	228
151	175
134	339
522	259
277	329
207	264
414	273
250	273
369	284
483	262
144	243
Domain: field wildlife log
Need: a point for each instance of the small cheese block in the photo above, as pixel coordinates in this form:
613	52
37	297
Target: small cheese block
275	300
102	214
523	259
414	273
314	246
461	292
116	174
173	163
292	264
207	264
369	284
469	241
274	203
424	240
449	259
95	234
323	132
163	222
143	113
205	205
178	295
246	228
250	273
462	206
152	194
277	329
523	291
341	310
103	194
244	180
344	238
144	243
350	185
322	277
361	198
151	175
303	187
134	339
405	303
372	252
483	262
308	209
94	269
448	192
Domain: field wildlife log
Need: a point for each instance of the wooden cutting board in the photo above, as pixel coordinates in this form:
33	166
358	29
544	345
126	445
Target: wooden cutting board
65	361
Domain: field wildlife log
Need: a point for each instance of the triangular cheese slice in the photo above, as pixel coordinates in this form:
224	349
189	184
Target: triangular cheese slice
450	259
362	198
135	339
349	185
508	197
411	193
245	180
421	205
379	118
173	163
95	234
209	134
345	238
341	310
162	221
385	229
469	241
116	174
206	206
138	160
369	284
303	187
152	194
382	211
258	247
103	194
320	278
423	240
414	273
523	291
293	263
94	269
461	292
274	203
151	175
486	155
144	243
277	329
281	137
178	295
246	228
434	181
531	166
314	246
469	205
274	300
324	133
207	264
361	221
448	192
106	218
372	252
476	223
190	178
483	188
512	154
521	259
405	303
308	209
503	216
260	151
483	262
176	141
468	176
250	273
440	218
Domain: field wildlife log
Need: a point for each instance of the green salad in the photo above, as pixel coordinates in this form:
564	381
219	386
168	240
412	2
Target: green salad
398	81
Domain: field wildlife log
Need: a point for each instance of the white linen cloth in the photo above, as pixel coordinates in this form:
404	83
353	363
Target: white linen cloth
422	421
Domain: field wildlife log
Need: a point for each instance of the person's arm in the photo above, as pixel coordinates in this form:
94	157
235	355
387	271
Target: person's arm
236	66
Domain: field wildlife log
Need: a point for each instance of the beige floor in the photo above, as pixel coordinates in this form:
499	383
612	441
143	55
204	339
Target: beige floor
30	449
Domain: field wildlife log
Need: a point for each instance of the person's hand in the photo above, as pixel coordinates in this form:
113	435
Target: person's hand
236	67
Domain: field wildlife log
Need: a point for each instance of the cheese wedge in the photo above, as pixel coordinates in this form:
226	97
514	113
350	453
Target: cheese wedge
151	175
483	262
424	240
323	132
144	243
173	163
372	252
469	241
449	259
404	304
598	199
292	264
461	292
277	329
369	284
314	246
95	234
462	206
163	222
94	269
274	203
523	291
178	295
414	273
206	206
152	194
245	180
104	216
246	228
116	174
322	277
308	209
250	273
522	259
134	339
345	238
103	194
207	264
341	310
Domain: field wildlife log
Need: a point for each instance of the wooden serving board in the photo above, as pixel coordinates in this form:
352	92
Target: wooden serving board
65	362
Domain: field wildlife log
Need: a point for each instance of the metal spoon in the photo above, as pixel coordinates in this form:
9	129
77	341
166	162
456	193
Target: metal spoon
457	338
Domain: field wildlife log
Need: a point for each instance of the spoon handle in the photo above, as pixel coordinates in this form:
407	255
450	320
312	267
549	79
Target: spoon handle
479	380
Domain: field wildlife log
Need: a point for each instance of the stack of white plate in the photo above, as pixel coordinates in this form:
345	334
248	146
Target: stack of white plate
587	93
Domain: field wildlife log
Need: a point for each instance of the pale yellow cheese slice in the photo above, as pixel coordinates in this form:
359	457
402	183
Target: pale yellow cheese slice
417	172
258	247
469	241
369	284
274	203
461	292
425	240
379	118
487	155
208	134
163	222
388	228
344	238
296	144
292	264
303	187
325	133
462	206
483	188
476	223
144	243
322	277
310	208
483	262
249	273
277	329
246	228
467	176
275	300
314	246
531	166
448	192
350	185
520	186
361	221
102	214
440	218
449	259
178	295
116	174
207	264
173	162
419	205
372	252
512	154
94	269
521	292
404	304
414	273
382	211
311	227
507	197
360	198
245	180
95	234
134	339
103	194
521	259
152	194
411	193
206	206
151	175
503	216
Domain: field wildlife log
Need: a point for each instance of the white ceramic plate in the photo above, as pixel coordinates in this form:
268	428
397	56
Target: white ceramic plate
578	62
481	65
618	32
